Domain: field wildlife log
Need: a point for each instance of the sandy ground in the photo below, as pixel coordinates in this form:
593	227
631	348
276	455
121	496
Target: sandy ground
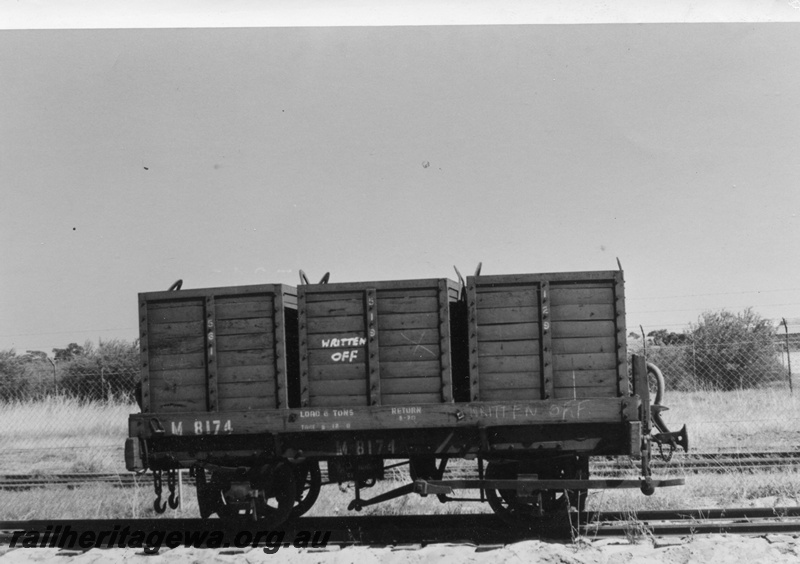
770	549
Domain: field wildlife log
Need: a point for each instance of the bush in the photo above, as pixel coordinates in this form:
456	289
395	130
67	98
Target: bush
24	377
734	351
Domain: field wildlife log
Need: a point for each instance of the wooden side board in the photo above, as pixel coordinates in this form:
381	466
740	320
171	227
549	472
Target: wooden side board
216	349
547	336
375	343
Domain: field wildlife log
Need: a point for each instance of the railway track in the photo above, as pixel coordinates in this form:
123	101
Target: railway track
478	529
680	463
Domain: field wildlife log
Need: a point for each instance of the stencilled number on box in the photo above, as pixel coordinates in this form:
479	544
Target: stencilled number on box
374	446
212	427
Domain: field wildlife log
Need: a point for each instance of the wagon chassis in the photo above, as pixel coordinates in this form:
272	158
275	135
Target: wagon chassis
493	432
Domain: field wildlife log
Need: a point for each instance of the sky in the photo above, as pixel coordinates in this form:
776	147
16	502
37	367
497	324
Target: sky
131	157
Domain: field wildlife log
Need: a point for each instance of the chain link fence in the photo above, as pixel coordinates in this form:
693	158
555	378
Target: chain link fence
733	395
67	415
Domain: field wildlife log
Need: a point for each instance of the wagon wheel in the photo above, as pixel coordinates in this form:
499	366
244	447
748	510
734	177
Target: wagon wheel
274	503
209	498
504	502
507	503
308	482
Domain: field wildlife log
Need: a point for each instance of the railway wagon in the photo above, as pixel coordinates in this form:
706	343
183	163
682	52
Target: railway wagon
519	378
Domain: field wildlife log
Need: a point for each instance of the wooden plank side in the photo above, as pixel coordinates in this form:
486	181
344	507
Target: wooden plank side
337	371
246	358
409	369
171	397
395	321
174	312
332	341
338	388
488	297
335	325
494	364
411	386
574	295
508	348
408	304
489	316
515	332
428	291
580	393
410	353
585	378
181	377
328	295
388	338
570	329
247	404
176	329
511	380
575	277
255	373
172	344
244	307
584	345
247	389
410	399
177	361
355	355
244	342
598	361
581	312
221	291
339	401
523	394
354	291
335	308
244	326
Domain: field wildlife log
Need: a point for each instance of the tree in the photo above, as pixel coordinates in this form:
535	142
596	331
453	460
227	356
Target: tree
664	337
734	350
110	368
73	350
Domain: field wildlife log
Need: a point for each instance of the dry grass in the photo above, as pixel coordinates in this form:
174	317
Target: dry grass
61	434
748	420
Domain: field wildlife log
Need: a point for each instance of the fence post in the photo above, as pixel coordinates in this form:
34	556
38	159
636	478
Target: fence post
55	377
788	355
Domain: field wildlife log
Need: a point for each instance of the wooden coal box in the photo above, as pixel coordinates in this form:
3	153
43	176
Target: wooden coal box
376	343
547	336
218	349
